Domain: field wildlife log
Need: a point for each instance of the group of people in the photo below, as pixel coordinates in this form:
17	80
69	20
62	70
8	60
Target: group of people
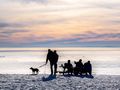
79	68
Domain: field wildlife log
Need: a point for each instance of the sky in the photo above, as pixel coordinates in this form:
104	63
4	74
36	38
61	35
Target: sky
59	23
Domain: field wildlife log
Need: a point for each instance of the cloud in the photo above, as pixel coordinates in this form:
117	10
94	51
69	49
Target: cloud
28	23
9	32
34	1
85	39
62	22
91	36
4	24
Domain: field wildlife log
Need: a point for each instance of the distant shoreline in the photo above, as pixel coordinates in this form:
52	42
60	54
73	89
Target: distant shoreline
32	49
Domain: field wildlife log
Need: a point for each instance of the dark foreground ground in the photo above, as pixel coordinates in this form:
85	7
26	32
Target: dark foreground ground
43	82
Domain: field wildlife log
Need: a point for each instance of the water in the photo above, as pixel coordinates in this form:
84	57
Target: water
19	60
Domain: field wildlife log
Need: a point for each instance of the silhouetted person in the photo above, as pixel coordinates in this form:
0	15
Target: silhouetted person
79	67
88	68
69	67
53	58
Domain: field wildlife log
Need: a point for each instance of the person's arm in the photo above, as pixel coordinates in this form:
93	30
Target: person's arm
75	62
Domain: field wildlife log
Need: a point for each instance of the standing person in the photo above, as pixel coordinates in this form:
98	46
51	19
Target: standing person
53	59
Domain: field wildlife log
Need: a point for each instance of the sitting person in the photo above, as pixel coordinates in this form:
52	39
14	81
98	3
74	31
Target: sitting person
88	68
78	68
68	67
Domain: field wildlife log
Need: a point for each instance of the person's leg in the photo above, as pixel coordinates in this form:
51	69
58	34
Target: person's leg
80	71
68	71
90	72
55	69
64	70
51	67
71	71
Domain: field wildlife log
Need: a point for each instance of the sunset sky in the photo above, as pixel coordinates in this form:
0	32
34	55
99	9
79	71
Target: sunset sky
59	23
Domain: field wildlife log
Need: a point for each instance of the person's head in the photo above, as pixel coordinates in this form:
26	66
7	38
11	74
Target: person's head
49	50
68	61
80	60
88	61
55	51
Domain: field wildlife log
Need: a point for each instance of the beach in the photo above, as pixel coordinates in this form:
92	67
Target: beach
36	82
15	73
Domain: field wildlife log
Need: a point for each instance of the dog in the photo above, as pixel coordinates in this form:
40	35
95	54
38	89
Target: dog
34	70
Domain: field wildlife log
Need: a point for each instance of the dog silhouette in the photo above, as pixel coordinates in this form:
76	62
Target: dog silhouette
34	70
